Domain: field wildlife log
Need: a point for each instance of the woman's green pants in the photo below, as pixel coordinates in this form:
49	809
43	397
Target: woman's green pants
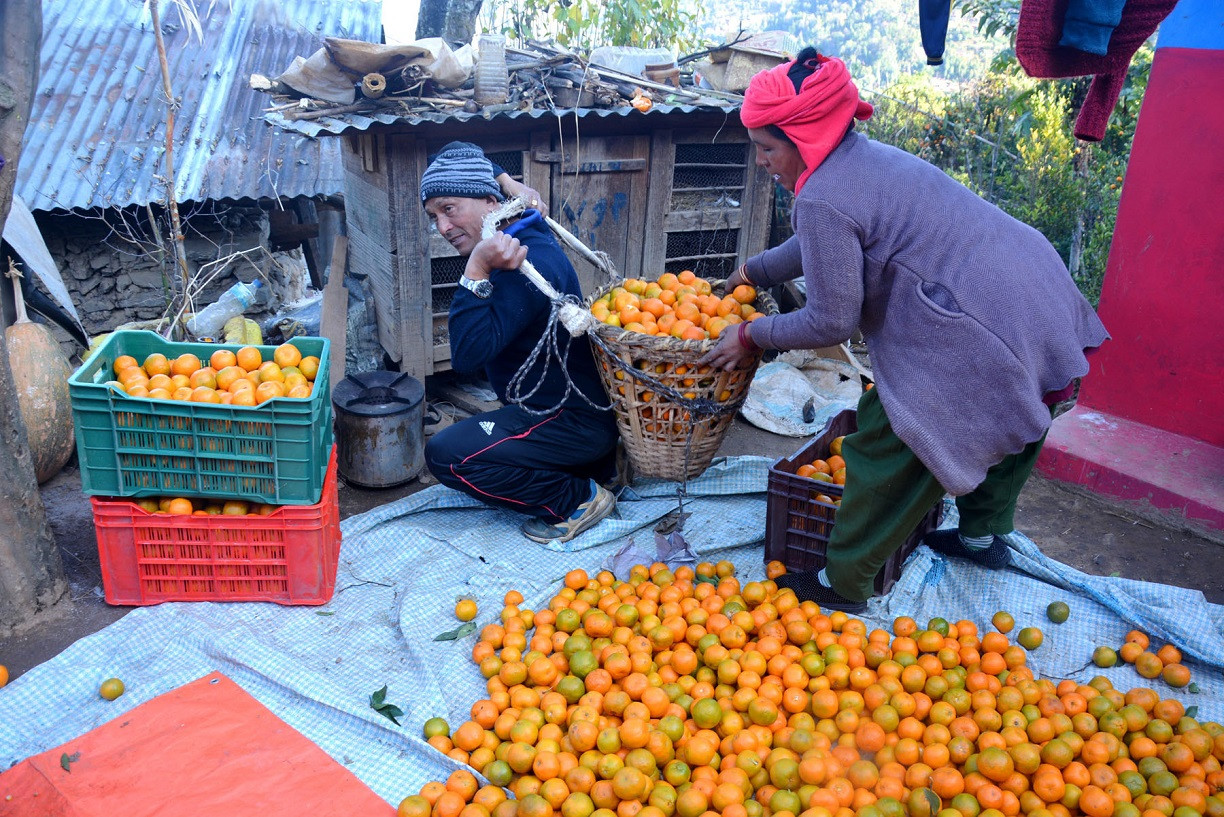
889	491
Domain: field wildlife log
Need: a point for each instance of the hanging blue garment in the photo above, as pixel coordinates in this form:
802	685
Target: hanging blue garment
933	24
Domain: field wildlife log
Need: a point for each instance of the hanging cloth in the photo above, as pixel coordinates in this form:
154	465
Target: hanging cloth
1040	54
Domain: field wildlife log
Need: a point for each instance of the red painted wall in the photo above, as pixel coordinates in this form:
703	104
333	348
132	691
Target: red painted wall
1163	296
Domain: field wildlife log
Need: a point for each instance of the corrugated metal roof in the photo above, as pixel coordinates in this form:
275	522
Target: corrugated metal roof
97	129
336	125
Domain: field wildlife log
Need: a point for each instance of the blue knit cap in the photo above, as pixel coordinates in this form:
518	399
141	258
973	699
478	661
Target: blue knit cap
460	169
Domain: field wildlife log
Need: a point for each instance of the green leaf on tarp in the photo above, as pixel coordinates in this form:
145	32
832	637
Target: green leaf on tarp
705	579
457	633
378	702
1194	688
1114	575
1192	712
66	761
324	613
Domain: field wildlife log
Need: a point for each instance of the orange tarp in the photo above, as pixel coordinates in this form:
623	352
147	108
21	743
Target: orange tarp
207	747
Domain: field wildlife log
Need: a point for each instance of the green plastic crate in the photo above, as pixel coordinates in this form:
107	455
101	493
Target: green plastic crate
275	452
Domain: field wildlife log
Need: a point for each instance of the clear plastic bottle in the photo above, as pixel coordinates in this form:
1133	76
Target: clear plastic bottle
492	79
234	301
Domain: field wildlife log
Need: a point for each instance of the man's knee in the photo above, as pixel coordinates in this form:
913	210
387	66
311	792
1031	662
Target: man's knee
441	453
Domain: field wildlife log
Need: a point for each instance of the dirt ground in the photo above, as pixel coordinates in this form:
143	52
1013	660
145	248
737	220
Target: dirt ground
1086	531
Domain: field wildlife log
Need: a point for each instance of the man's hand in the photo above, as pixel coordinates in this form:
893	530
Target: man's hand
729	354
499	251
512	188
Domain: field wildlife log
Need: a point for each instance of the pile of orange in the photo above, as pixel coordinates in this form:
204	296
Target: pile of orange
681	693
681	305
241	378
1165	663
830	469
181	505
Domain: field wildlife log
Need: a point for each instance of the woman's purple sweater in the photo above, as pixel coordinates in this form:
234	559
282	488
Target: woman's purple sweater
969	315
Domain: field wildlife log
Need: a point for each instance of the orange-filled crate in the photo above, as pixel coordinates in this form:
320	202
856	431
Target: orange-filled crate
288	557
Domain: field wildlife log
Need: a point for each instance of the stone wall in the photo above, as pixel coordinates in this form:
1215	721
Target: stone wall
114	280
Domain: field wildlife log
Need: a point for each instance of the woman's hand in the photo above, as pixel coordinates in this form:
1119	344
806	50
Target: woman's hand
740	276
513	188
729	354
498	251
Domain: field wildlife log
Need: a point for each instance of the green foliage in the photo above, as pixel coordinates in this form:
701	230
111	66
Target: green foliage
878	39
590	23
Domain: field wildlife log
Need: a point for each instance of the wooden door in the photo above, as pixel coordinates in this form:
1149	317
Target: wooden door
598	187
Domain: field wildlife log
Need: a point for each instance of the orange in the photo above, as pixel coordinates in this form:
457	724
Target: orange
203	394
465	609
1175	675
111	689
156	363
309	366
744	294
203	377
271	371
287	355
243	397
228	375
180	505
235	507
249	358
123	362
222	358
269	390
1169	654
300	391
185	364
1003	621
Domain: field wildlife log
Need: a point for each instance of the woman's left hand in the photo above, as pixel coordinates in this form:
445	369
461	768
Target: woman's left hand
729	354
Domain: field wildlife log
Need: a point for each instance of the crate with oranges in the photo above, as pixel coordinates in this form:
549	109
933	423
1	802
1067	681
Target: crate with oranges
155	418
681	305
805	492
176	548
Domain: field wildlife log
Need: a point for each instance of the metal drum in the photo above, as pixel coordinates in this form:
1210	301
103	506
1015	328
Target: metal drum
380	422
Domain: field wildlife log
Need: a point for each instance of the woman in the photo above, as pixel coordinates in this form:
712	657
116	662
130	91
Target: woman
976	332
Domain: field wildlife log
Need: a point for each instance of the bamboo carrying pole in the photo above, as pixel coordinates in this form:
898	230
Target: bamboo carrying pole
576	319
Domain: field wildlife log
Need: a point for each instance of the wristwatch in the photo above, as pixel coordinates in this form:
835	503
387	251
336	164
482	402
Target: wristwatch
481	288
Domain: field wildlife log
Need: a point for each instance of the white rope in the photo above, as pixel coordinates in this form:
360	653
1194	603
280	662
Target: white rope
577	320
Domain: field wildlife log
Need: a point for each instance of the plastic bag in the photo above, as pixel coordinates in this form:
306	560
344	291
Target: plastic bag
797	400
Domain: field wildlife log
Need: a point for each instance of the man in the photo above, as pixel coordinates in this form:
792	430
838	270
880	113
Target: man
544	457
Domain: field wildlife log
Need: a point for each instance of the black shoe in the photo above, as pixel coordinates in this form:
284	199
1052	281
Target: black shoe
948	542
807	587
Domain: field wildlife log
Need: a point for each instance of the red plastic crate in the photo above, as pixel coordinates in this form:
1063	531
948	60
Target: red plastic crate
798	527
288	557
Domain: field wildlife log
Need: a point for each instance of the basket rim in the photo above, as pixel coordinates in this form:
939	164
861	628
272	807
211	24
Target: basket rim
667	343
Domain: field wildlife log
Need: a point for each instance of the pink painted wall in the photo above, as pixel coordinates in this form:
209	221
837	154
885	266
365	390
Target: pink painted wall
1163	295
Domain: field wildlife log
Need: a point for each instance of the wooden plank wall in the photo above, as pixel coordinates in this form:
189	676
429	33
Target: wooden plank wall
405	156
368	223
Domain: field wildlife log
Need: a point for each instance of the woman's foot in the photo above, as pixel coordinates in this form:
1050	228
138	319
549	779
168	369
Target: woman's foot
808	587
949	542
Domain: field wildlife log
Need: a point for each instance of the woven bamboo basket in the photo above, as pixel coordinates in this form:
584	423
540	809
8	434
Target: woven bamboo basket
655	429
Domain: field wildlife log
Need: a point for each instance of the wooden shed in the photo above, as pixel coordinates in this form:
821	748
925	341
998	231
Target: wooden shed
670	189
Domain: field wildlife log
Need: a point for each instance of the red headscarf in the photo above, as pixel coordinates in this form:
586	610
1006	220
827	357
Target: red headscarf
816	118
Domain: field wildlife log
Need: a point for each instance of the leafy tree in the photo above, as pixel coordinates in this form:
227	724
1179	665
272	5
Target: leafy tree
590	23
